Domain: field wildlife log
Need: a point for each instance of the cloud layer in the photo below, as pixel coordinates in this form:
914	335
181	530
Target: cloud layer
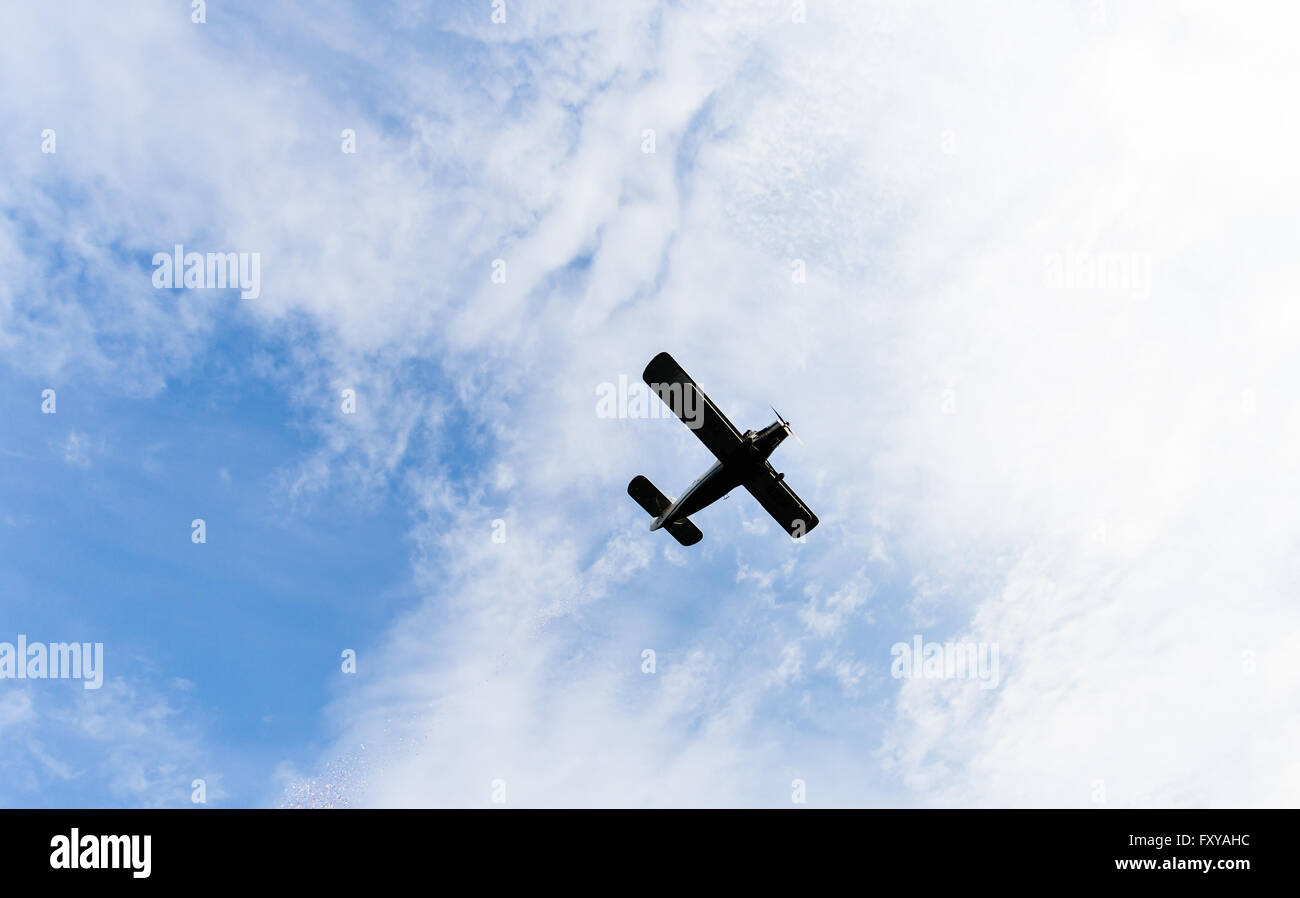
1039	359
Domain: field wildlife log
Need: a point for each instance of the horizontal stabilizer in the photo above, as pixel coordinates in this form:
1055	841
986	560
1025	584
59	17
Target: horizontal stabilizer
647	495
655	503
685	532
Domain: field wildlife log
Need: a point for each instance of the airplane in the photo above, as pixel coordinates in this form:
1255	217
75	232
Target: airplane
741	461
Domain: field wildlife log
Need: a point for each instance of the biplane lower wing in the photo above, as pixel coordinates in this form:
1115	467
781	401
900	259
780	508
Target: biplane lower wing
688	402
786	508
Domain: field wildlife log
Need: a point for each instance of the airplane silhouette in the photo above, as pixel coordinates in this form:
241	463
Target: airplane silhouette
741	461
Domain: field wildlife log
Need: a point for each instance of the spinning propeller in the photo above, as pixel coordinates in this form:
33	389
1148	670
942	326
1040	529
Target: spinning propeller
786	425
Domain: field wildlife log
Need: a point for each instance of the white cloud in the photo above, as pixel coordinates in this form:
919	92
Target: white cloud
139	745
77	449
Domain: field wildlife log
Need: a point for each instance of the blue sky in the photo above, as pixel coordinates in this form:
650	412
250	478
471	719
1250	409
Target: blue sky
1083	463
239	634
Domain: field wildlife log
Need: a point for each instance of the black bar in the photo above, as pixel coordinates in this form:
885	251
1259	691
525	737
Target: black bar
612	850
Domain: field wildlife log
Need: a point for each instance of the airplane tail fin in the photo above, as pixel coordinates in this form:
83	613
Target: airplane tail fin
655	503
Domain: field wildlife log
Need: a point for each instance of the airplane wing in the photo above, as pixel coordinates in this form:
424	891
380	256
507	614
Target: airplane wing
688	402
782	504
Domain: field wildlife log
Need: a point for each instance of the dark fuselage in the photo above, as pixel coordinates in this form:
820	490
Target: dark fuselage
748	461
